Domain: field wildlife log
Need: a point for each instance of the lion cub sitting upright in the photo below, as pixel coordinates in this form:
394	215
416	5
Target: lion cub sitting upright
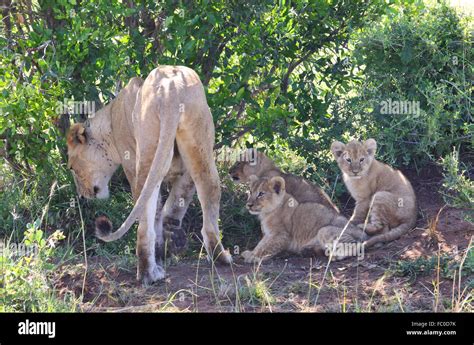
290	226
376	186
255	163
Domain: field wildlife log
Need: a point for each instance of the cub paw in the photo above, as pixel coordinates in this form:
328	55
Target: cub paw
250	257
372	229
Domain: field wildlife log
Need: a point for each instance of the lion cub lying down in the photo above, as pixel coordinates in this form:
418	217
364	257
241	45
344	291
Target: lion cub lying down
376	186
262	166
290	226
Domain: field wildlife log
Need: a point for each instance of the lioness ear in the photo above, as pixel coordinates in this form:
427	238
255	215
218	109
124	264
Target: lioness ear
278	184
371	146
337	148
76	134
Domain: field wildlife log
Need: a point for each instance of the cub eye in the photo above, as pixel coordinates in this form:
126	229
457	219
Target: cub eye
260	194
362	159
349	160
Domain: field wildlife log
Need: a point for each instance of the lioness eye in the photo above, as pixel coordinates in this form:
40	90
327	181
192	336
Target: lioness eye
260	194
349	160
362	159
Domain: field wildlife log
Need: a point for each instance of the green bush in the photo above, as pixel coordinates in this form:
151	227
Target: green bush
458	188
25	284
423	56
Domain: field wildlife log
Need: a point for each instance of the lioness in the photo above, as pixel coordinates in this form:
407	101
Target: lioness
253	162
376	186
290	226
160	128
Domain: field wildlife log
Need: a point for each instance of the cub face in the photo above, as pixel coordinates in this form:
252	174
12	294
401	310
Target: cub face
247	165
91	171
265	194
240	172
355	158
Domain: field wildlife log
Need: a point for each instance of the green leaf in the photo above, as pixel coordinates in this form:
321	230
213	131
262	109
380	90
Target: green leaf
240	93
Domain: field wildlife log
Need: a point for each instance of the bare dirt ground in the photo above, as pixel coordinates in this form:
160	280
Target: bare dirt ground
396	277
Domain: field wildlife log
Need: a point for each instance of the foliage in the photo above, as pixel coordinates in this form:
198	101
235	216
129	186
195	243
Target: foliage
254	290
423	56
285	76
25	286
458	188
259	61
449	267
26	107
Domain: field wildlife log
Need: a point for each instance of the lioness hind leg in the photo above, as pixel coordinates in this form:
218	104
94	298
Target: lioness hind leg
148	270
196	150
150	228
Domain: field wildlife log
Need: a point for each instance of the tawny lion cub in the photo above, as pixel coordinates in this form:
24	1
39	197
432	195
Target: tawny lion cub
290	226
262	166
376	186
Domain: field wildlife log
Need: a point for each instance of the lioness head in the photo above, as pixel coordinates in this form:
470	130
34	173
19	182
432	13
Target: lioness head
89	163
250	162
355	158
265	194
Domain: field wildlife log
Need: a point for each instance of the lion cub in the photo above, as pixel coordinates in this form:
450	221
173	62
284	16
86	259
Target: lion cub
256	163
290	226
393	210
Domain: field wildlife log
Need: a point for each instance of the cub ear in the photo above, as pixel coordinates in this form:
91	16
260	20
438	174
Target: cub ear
337	148
76	134
371	146
277	183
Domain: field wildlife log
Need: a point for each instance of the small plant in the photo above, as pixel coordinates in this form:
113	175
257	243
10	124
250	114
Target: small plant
25	285
425	266
255	291
458	188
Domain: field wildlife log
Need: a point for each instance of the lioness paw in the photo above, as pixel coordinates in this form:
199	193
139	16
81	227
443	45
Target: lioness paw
225	257
152	275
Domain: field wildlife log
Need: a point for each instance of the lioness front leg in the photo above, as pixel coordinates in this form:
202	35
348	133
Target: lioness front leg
269	246
196	149
180	196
